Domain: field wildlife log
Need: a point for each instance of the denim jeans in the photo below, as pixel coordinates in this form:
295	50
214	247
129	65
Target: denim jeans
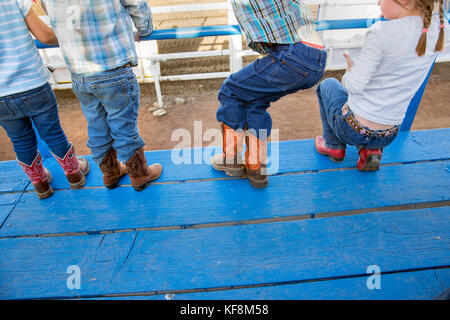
245	95
110	103
17	114
337	133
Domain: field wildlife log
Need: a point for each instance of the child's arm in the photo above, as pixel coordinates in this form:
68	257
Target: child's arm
350	62
360	72
141	15
39	29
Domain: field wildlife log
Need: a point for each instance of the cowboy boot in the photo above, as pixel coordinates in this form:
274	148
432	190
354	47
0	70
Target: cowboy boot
112	169
256	174
140	174
75	169
230	160
369	159
335	155
39	176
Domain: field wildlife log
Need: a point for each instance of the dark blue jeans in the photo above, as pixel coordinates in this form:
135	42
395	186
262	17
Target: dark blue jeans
39	105
110	103
337	133
245	95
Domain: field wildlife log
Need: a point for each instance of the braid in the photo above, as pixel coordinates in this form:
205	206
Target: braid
440	42
427	8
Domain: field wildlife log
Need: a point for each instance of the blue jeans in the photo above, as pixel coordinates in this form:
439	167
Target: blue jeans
110	103
17	114
337	133
245	95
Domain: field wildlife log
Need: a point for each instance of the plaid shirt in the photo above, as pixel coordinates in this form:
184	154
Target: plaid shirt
96	36
273	21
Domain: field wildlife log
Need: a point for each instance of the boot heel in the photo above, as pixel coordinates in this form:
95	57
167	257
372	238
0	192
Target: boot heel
142	187
79	184
238	172
112	186
373	163
46	194
258	184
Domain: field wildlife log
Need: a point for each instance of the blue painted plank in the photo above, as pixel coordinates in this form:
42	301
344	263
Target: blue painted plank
12	177
417	285
4	212
181	204
295	156
7	199
157	261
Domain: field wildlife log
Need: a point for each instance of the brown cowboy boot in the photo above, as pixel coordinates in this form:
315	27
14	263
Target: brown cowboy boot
230	160
75	169
140	174
39	176
256	170
112	169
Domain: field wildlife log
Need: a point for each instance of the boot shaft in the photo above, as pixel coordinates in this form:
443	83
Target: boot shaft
39	177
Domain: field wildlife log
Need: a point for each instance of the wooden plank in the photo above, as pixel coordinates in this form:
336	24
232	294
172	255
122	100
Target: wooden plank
295	156
7	199
12	178
95	210
4	212
163	261
417	285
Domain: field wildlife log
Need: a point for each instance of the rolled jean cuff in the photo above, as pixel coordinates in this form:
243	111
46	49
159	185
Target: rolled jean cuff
125	153
98	154
335	147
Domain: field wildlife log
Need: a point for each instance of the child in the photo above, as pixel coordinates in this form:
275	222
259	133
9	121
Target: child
26	97
97	42
284	31
367	109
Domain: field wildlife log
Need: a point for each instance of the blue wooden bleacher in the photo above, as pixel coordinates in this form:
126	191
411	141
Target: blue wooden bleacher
198	234
314	233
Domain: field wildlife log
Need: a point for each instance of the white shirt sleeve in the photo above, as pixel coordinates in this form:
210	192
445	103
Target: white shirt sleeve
24	6
370	56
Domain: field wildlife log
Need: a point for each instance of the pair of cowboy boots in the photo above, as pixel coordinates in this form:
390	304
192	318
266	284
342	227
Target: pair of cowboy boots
74	168
254	168
139	172
369	159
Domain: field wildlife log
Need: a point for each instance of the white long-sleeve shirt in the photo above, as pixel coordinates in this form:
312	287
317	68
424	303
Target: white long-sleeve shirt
388	71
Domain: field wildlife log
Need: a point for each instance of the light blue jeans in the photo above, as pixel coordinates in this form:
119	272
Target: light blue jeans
110	103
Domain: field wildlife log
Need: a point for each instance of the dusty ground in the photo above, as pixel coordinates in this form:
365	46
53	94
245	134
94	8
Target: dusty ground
296	116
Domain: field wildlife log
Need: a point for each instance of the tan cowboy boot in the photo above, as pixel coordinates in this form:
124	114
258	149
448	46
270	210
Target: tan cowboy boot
256	171
39	176
230	160
112	169
140	174
75	169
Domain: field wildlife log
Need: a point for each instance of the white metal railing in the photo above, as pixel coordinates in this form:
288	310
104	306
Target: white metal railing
149	70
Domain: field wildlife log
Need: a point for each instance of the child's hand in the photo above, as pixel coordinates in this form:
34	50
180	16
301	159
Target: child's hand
350	62
136	37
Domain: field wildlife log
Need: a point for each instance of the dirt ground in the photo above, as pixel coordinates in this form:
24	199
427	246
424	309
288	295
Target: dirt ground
295	116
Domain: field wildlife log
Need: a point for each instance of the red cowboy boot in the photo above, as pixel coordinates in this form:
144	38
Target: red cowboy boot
336	155
39	176
230	160
369	160
254	157
75	169
112	169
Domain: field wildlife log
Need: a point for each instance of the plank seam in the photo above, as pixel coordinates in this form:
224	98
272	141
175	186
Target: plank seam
248	286
300	217
243	177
